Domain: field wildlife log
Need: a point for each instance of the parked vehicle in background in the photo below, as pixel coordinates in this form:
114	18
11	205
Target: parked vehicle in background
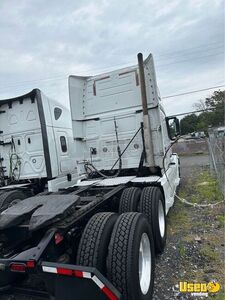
198	134
36	146
220	132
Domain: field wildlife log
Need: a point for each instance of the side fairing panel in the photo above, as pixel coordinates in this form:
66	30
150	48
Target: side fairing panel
60	135
21	137
101	103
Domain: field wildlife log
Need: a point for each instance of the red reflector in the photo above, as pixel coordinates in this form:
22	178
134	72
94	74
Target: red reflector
18	268
109	293
63	271
78	273
58	238
30	264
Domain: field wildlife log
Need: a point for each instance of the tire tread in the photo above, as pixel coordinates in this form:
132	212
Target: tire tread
8	194
128	200
87	254
118	268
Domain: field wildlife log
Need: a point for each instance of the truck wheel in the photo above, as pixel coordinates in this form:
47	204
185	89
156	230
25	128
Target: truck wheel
129	199
93	246
10	198
131	259
152	205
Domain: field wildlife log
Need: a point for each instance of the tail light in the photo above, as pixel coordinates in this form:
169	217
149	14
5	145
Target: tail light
31	264
58	238
15	267
22	267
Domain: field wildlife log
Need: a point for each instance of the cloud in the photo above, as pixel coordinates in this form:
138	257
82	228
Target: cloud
42	43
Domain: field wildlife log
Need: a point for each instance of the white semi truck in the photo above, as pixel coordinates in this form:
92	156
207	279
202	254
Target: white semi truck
111	181
36	146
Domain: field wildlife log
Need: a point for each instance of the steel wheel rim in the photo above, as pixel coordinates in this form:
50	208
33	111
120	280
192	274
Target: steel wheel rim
161	219
145	264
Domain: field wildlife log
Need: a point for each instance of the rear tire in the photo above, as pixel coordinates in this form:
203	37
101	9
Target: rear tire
93	246
129	200
152	205
10	198
131	259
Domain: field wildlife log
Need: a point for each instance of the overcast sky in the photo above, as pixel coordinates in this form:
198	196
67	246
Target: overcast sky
42	42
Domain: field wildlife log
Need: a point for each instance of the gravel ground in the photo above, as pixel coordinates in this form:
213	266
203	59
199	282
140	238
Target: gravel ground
195	243
193	162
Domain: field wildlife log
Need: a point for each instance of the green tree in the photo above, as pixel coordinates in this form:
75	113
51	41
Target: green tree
204	120
214	117
217	103
189	124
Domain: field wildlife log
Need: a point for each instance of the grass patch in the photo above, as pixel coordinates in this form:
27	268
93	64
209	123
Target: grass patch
200	231
182	249
178	218
207	189
221	220
209	253
219	296
202	188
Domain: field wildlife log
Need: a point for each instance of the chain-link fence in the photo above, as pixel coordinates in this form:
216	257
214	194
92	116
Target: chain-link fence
216	142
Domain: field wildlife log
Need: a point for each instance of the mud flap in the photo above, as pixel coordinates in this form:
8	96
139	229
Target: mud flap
71	282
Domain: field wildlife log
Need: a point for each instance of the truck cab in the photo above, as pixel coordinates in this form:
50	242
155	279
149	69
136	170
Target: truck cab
109	105
36	139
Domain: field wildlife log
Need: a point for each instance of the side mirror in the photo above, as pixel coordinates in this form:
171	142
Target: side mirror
173	127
